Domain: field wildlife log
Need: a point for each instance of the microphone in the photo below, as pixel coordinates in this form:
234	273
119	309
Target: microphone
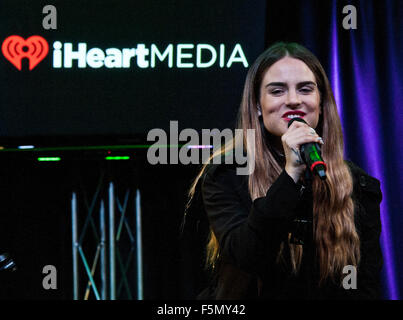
311	155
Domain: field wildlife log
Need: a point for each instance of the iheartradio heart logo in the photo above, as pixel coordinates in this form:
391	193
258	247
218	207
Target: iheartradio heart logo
15	48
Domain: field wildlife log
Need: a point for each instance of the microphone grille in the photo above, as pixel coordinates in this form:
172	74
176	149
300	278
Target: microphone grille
295	119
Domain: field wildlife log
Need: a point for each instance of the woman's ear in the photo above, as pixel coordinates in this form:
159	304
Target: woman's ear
259	110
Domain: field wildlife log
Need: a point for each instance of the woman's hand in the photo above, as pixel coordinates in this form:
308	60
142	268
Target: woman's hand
296	135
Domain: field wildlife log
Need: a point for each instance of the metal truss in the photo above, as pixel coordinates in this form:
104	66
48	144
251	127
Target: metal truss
102	281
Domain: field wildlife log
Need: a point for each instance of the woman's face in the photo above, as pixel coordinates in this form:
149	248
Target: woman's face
289	89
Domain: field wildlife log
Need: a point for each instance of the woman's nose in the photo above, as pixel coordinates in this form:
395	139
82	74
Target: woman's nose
293	98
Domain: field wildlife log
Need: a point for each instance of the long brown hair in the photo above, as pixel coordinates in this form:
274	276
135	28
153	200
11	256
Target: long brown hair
335	235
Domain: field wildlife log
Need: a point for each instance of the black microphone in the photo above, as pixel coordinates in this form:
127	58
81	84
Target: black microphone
311	155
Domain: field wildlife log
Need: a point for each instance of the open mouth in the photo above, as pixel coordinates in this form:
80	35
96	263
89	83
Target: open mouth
293	114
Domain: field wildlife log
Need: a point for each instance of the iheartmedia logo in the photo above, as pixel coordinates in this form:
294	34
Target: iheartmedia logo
179	56
15	48
66	55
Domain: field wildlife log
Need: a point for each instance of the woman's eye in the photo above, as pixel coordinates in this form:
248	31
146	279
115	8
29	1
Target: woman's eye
277	91
306	89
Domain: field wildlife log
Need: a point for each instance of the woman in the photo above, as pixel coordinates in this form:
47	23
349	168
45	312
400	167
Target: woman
281	232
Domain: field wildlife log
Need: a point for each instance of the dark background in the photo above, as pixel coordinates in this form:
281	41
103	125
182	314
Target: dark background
104	106
76	103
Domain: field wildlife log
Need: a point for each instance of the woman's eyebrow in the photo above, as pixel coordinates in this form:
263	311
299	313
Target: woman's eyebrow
276	84
304	83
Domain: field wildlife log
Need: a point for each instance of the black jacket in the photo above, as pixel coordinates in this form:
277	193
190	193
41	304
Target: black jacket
250	233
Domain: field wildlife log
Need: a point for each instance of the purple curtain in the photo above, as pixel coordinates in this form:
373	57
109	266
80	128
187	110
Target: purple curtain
372	110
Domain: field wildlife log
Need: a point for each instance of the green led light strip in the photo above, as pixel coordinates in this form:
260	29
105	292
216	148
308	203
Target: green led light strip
49	159
117	158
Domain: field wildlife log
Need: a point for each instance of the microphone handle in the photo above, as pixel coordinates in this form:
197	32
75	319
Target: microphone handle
311	155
